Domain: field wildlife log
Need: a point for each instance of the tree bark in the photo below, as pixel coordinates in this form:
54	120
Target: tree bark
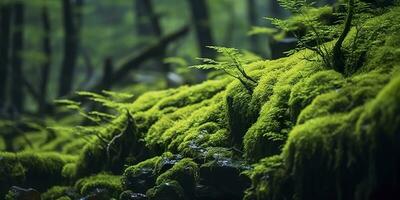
17	96
200	17
5	24
46	65
252	14
148	24
147	20
134	61
70	49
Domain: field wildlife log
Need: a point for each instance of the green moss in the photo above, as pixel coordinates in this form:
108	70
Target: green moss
307	89
185	172
267	177
355	91
95	157
168	190
149	99
239	115
2	144
267	135
379	129
56	192
37	170
108	182
141	176
196	129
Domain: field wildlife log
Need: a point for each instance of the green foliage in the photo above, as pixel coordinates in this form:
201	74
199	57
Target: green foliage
233	66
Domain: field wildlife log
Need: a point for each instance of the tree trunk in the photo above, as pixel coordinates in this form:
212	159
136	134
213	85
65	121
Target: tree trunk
201	21
148	24
252	14
70	49
46	66
17	97
5	24
147	21
107	73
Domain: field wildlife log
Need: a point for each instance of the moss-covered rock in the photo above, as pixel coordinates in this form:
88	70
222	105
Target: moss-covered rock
222	178
168	190
142	176
57	192
185	172
110	185
32	170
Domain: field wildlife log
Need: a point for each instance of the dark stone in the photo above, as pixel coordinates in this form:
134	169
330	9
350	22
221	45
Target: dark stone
166	191
222	179
141	181
19	193
167	163
129	195
98	194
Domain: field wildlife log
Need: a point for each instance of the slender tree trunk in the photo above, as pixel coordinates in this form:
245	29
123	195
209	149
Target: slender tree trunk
107	73
147	20
5	24
46	66
17	96
252	14
70	49
201	21
148	24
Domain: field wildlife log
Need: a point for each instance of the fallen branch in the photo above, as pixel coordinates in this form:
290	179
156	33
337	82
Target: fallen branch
134	62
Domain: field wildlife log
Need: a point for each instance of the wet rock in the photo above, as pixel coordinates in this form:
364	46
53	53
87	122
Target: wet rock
18	193
129	195
141	180
167	162
170	190
222	179
98	194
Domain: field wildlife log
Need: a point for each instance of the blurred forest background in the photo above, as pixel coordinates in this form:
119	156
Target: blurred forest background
51	48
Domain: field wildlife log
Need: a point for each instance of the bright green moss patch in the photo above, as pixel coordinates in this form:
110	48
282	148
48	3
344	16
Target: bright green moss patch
267	135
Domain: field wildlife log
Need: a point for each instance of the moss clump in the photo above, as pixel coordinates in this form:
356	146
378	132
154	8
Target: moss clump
239	115
110	183
267	177
222	178
379	131
142	176
114	144
58	192
355	91
185	172
268	134
204	126
168	190
307	89
184	97
36	170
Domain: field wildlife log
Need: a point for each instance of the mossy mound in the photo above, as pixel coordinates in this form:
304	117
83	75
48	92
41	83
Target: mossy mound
29	169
